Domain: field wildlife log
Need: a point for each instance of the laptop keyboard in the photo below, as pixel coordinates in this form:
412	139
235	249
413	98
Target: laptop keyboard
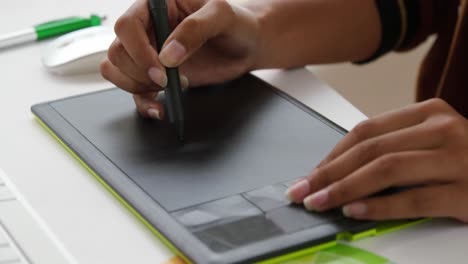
10	253
23	240
5	193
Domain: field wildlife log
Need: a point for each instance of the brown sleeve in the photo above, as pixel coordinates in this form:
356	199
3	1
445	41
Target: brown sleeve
425	18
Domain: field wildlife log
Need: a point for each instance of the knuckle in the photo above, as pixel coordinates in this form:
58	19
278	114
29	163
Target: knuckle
387	164
322	177
369	149
378	210
122	23
105	69
455	159
436	102
326	160
136	88
114	52
139	103
433	105
422	202
451	126
339	194
192	28
223	7
362	130
192	25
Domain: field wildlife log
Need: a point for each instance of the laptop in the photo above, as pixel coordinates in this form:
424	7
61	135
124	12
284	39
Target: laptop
218	197
24	237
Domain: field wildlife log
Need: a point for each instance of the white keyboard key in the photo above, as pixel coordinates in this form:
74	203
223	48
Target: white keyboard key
9	254
22	239
5	194
31	241
3	239
13	261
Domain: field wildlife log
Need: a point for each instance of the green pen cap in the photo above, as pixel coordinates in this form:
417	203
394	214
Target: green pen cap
66	25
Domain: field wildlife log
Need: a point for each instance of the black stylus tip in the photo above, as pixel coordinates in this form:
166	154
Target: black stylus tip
181	138
180	130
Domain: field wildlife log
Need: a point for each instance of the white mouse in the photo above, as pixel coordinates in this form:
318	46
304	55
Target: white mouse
79	52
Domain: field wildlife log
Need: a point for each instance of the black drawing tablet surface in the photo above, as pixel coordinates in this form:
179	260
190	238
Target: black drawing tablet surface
218	197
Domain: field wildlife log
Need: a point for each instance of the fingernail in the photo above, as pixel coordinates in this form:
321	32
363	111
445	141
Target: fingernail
172	54
298	191
184	81
153	113
355	210
158	76
316	201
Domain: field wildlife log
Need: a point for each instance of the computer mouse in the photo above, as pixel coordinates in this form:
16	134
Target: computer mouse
78	52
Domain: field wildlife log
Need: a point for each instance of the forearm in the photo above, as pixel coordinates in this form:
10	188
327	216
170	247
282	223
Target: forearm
295	33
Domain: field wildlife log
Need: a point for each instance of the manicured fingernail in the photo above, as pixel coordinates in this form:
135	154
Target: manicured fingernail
355	210
184	81
298	191
172	54
158	76
316	201
153	113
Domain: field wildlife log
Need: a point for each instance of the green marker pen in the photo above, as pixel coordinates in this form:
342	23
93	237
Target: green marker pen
49	30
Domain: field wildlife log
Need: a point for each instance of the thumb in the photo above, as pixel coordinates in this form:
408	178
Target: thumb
210	21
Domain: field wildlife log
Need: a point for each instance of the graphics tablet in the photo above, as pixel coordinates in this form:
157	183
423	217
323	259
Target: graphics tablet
219	196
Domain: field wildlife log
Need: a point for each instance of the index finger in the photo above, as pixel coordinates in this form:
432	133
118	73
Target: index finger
380	125
383	124
131	29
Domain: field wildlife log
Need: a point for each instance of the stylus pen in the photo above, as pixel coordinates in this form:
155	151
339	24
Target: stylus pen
173	90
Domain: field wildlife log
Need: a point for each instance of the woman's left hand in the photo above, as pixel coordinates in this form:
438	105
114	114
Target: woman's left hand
424	146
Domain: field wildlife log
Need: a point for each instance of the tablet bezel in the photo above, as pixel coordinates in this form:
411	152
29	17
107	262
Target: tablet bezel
151	212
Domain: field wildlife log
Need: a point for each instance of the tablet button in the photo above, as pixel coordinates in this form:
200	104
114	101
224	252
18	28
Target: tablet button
294	218
269	197
291	183
239	233
217	212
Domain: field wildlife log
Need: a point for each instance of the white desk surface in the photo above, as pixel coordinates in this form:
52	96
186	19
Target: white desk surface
92	225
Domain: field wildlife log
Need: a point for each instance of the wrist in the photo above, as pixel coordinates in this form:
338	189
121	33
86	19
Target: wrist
296	33
259	13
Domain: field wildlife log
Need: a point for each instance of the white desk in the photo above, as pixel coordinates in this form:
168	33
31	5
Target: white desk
92	225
